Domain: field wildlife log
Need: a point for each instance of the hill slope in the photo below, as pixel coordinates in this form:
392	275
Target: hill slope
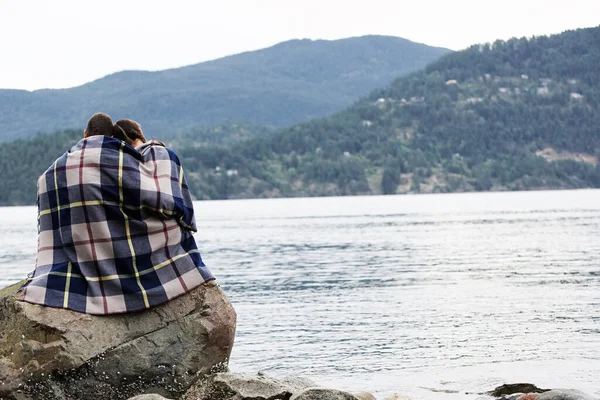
516	115
281	85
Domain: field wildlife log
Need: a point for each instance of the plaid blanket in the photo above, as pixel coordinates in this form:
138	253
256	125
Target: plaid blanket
115	230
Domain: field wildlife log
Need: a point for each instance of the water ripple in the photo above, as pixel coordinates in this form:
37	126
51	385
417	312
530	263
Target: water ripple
430	296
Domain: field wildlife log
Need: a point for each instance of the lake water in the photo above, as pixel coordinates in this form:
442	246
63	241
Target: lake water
431	296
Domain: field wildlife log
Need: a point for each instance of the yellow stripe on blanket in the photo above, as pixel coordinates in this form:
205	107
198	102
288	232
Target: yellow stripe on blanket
128	229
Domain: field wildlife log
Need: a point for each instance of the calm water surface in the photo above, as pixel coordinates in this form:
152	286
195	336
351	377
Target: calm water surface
432	296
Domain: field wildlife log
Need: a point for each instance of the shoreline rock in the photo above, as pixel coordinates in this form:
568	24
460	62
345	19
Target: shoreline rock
236	386
565	394
526	391
323	394
239	386
513	388
48	353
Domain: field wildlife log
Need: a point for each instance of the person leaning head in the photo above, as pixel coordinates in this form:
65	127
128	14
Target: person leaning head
129	131
99	124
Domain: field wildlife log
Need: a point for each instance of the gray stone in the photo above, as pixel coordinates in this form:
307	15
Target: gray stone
323	394
149	397
565	394
48	353
229	386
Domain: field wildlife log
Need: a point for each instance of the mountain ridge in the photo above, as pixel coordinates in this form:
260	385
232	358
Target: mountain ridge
280	85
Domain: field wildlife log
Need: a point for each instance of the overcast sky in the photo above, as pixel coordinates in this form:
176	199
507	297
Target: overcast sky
65	43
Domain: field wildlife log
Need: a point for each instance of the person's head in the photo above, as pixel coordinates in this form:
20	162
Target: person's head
129	131
99	124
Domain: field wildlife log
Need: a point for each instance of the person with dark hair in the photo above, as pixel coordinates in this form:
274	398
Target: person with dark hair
129	131
99	124
115	221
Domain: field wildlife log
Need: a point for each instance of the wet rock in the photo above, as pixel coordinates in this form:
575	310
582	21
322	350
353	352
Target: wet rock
513	388
229	386
565	394
323	394
528	396
149	397
50	354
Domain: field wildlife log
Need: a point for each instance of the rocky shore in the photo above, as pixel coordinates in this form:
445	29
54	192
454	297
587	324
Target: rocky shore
177	351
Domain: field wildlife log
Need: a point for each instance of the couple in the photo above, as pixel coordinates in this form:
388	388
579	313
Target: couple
115	223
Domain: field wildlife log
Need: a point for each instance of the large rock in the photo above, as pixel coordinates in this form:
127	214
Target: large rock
53	354
565	394
228	386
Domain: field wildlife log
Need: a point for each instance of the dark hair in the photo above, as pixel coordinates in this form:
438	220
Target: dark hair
100	124
128	131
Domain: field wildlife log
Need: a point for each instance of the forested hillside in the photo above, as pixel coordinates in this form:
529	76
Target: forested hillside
515	115
288	83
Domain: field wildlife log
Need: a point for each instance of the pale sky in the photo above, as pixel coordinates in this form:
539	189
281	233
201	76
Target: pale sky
65	43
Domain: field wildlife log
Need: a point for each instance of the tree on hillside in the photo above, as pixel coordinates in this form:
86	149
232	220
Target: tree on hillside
390	181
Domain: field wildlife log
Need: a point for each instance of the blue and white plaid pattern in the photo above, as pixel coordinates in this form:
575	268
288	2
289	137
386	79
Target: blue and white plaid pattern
115	230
